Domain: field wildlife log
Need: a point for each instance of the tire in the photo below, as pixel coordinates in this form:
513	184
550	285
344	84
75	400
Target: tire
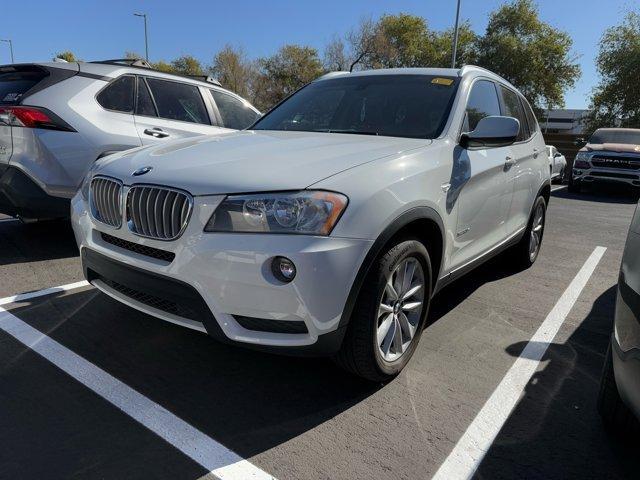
616	416
522	252
361	353
574	187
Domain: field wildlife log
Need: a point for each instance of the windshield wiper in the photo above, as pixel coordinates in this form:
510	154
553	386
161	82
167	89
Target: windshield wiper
346	130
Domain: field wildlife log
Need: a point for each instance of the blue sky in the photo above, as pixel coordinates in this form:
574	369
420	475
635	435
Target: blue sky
106	29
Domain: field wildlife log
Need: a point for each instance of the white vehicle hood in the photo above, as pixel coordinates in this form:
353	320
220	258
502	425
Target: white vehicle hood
252	161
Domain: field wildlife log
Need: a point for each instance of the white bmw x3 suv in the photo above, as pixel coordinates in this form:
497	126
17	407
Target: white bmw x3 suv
327	226
57	118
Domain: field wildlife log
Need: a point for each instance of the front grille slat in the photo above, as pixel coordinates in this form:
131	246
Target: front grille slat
105	201
157	212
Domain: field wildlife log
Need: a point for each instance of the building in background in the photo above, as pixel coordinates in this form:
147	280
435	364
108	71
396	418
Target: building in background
562	128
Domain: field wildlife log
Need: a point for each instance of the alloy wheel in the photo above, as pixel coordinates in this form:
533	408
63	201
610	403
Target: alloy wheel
537	228
400	309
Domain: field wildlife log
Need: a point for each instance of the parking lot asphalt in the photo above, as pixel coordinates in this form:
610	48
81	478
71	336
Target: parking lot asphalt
304	418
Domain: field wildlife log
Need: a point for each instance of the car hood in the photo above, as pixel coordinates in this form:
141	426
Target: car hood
611	147
252	161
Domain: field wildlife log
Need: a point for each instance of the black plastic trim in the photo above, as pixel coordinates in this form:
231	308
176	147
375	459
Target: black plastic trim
21	196
416	213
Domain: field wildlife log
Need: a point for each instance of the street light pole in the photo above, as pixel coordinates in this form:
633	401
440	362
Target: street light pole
455	37
146	39
10	47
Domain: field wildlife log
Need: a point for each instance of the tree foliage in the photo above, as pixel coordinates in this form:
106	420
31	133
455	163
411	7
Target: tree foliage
283	73
232	68
67	55
616	98
187	65
530	53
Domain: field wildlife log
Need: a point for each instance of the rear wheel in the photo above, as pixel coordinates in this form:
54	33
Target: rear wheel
527	249
390	312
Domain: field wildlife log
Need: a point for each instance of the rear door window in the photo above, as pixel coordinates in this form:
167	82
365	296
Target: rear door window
483	102
513	108
119	95
178	101
144	102
234	112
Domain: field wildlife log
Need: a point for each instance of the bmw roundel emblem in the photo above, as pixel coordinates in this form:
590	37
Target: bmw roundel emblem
142	171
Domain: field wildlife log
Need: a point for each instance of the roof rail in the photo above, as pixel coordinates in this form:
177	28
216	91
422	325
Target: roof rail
140	63
131	62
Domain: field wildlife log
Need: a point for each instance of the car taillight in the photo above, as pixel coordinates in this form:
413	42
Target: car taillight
33	117
581	164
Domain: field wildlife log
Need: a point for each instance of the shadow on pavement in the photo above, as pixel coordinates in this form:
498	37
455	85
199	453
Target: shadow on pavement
33	242
620	194
555	431
246	400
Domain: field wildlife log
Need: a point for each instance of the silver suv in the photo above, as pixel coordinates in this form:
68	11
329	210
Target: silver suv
57	118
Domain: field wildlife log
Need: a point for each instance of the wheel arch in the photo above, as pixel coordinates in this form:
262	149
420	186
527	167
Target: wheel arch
422	222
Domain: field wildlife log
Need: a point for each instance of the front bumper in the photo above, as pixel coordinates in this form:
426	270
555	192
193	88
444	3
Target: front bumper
606	175
231	275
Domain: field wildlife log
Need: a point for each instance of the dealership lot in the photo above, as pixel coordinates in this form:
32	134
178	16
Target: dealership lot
304	418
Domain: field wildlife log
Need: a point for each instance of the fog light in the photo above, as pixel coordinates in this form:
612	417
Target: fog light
283	269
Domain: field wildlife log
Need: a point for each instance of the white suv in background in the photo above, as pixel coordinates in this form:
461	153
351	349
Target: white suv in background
57	118
327	227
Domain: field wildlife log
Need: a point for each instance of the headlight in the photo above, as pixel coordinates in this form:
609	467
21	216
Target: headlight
582	160
307	212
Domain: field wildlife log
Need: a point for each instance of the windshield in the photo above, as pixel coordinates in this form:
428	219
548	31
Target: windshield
415	106
630	137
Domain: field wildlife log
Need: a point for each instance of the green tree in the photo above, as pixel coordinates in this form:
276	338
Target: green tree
187	65
67	55
232	68
283	73
530	53
616	98
442	47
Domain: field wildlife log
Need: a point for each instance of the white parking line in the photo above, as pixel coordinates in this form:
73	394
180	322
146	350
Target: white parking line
41	293
558	188
221	462
467	454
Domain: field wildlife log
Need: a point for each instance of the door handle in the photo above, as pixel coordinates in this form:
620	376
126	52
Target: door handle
509	162
535	153
156	132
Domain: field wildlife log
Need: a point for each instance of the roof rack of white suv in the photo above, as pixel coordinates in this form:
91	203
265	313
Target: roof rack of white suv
140	63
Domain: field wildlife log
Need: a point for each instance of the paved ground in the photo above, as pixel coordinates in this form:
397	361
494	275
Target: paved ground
303	418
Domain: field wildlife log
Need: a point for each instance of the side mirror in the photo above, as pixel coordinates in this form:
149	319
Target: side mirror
558	154
492	132
579	142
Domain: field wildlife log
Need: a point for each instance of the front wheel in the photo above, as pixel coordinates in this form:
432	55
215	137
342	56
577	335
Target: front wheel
390	312
527	249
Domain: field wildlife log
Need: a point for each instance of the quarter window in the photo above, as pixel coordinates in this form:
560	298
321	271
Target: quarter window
178	101
118	95
483	102
235	113
513	108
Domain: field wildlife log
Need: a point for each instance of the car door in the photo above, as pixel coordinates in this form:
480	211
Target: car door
482	179
525	163
167	109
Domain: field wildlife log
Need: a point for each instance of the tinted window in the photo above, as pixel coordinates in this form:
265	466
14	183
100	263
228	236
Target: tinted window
415	106
144	105
531	118
118	95
178	101
235	113
513	108
483	102
13	85
631	137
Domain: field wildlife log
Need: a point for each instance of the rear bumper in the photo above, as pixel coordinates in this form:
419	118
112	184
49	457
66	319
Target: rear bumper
21	196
